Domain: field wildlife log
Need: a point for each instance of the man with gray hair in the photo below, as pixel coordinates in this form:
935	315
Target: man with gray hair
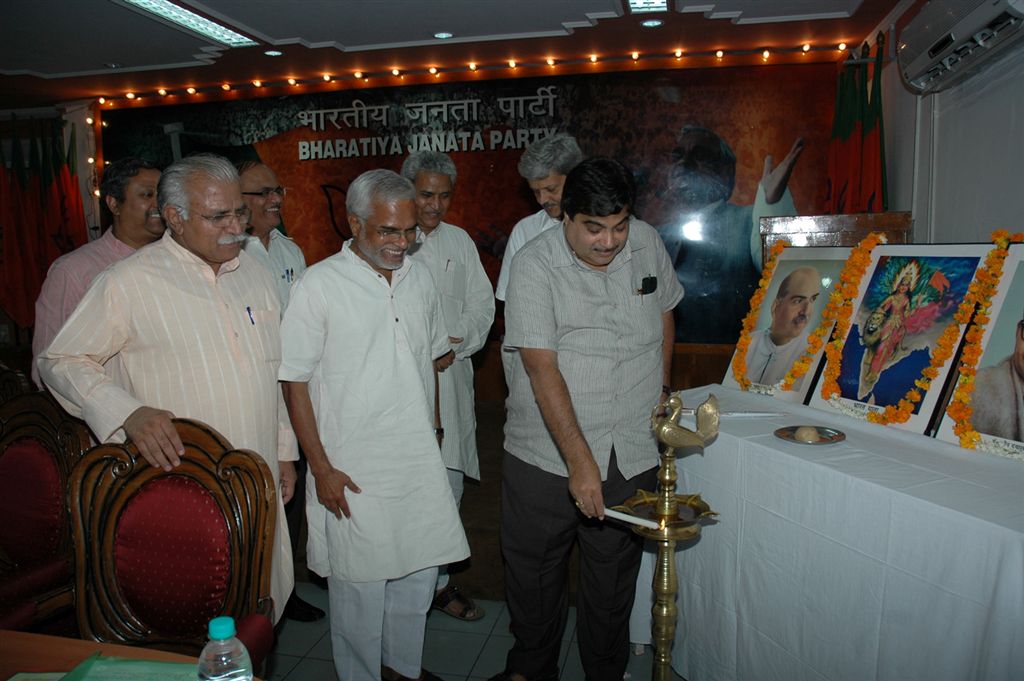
544	165
195	324
360	337
467	305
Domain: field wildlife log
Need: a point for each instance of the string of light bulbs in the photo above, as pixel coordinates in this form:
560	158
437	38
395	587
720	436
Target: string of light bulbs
511	64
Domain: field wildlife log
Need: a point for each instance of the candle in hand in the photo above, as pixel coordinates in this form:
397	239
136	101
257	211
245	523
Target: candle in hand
627	518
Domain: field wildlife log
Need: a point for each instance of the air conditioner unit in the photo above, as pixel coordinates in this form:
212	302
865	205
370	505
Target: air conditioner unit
950	40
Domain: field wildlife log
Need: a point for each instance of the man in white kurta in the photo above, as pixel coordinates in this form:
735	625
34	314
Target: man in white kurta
195	324
544	165
359	338
774	350
283	258
467	304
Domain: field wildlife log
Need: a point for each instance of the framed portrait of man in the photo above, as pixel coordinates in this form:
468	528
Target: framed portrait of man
789	314
906	300
995	405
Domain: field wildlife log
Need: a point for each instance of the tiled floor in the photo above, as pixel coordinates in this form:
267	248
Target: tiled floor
454	650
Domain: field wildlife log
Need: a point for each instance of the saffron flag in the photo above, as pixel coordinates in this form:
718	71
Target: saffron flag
873	195
856	155
844	148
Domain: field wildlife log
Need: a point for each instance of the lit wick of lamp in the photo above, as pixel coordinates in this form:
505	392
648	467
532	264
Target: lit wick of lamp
678	516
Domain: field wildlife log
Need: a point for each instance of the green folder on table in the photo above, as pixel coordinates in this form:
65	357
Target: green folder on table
123	669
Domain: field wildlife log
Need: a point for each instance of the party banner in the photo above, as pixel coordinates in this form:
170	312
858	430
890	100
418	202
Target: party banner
318	143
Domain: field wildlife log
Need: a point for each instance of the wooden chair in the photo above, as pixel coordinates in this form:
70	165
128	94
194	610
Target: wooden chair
39	445
13	383
158	555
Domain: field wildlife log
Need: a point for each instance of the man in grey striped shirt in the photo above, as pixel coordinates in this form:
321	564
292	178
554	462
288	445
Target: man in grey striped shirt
588	344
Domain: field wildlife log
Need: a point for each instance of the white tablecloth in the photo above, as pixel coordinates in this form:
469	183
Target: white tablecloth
887	556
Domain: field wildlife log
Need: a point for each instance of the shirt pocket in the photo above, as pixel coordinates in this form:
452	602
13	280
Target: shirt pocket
643	319
268	333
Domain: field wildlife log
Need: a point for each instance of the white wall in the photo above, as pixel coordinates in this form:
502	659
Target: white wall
967	167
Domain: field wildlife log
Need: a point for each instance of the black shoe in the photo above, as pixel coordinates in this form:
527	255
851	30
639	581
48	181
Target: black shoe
301	611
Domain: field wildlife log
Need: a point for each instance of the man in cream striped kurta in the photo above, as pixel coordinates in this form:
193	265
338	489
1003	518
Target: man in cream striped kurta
196	326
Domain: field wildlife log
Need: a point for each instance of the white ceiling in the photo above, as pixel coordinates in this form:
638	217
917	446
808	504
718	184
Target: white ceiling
67	42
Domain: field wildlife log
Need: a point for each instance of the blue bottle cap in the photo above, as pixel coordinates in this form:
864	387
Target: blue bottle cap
222	628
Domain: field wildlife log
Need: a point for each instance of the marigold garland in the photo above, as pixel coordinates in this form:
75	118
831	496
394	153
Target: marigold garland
739	360
840	307
987	279
979	292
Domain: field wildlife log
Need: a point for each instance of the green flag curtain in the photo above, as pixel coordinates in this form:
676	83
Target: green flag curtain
856	155
41	215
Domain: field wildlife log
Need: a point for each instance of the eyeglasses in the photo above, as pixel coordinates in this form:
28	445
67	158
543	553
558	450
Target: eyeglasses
267	191
222	220
388	234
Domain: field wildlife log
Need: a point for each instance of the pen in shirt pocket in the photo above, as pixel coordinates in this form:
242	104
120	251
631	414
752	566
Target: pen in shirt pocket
251	318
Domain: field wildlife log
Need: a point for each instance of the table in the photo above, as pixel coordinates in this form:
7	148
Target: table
24	652
887	556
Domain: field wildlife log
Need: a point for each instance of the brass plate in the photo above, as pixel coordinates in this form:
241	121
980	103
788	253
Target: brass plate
829	436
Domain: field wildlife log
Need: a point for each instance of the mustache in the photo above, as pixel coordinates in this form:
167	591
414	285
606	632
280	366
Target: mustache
231	239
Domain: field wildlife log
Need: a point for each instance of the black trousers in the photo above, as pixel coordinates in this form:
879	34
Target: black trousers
295	510
539	523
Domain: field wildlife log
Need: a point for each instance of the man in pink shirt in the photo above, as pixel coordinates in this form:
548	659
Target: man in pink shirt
129	192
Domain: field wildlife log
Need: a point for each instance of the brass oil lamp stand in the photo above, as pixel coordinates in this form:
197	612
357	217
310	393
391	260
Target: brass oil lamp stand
679	516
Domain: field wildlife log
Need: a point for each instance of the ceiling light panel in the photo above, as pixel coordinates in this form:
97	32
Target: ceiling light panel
193	22
639	6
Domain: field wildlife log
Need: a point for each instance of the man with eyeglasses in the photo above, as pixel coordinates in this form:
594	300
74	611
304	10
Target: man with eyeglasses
284	260
263	197
359	340
998	404
128	194
196	325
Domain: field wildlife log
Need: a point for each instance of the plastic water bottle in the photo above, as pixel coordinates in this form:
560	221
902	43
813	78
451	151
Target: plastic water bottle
224	658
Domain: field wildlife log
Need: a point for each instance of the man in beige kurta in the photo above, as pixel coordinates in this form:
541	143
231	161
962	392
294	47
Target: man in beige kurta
195	324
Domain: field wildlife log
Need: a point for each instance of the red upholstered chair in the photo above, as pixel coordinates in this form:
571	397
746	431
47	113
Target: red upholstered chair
158	555
39	444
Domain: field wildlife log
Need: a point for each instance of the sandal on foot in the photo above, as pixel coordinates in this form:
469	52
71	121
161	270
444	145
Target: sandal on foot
454	603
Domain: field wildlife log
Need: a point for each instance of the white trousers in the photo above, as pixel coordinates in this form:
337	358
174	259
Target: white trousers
457	482
380	623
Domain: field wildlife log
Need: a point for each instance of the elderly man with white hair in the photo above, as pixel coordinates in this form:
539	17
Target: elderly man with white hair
195	324
359	340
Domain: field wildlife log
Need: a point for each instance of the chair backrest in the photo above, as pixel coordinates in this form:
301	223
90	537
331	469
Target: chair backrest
157	555
13	383
39	445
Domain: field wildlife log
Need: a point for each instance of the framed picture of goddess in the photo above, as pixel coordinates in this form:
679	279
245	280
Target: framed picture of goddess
780	354
906	301
994	405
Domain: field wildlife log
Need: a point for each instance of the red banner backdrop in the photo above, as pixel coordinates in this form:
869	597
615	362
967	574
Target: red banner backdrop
318	143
